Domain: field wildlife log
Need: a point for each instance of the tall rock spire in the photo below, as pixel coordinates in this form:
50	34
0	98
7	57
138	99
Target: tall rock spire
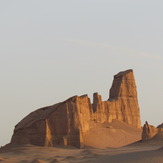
123	85
123	98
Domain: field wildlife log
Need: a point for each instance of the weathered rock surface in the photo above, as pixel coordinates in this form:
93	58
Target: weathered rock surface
123	101
65	123
62	123
150	131
160	126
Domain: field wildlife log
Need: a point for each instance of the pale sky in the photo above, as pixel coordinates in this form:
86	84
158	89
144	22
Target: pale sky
51	50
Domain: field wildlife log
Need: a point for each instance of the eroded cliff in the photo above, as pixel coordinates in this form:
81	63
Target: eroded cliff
65	123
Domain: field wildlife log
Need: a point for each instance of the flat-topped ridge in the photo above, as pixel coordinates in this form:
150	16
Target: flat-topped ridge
122	73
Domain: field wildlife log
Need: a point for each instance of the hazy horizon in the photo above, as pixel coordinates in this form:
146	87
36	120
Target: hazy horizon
52	50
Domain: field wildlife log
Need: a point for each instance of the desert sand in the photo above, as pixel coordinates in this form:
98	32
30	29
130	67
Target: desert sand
111	135
98	148
137	153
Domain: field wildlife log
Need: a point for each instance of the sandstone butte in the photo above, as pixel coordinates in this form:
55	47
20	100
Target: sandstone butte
65	123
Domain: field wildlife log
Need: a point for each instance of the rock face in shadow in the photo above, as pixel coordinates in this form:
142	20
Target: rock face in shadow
150	131
65	123
160	126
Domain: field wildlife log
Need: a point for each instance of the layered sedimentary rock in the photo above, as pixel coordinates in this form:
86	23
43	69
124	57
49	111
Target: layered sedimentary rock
65	123
123	98
122	103
150	131
62	124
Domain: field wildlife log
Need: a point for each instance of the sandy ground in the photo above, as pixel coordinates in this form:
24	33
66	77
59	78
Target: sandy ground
114	134
136	153
103	146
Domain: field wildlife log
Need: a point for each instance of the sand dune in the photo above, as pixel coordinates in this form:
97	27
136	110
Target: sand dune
114	134
135	157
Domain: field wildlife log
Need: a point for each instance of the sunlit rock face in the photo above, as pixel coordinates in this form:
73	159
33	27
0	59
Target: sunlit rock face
123	99
60	124
65	123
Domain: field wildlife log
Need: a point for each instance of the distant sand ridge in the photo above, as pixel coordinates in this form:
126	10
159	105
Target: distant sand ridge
71	121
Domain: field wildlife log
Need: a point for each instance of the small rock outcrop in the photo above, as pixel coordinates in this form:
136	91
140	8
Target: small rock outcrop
65	123
150	131
160	126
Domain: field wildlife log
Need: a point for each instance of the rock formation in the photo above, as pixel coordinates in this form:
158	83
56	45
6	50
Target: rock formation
62	123
150	131
123	99
160	126
122	103
65	123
